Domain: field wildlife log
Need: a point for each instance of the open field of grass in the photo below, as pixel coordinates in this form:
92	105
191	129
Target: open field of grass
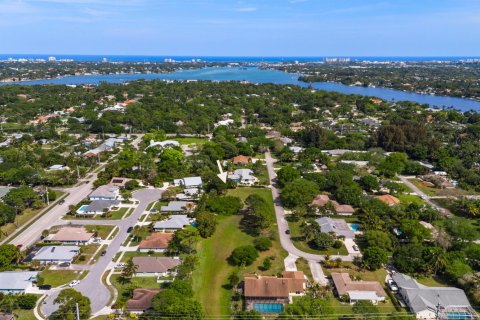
57	278
131	254
190	140
408	198
211	274
431	281
427	190
88	252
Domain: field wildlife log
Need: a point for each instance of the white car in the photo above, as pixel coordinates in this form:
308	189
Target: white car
392	285
120	265
74	283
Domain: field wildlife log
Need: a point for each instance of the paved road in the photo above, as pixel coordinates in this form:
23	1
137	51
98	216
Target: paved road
285	240
53	217
92	285
425	197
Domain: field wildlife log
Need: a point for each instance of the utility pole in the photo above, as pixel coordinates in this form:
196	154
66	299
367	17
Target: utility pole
78	312
48	199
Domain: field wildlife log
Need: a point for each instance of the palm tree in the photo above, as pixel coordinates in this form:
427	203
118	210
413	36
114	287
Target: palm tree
129	270
439	261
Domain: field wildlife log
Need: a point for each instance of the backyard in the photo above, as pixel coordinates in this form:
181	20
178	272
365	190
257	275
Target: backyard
57	278
211	274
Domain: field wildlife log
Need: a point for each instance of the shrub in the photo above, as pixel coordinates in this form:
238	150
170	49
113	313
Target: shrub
262	244
267	264
27	301
337	244
244	255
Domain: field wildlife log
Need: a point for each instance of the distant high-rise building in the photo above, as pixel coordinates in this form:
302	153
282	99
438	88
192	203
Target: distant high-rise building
104	60
337	60
52	59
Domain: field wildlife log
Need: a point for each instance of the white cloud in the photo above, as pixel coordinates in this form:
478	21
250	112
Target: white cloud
246	9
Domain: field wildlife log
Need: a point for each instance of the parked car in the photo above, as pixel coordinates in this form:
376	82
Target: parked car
355	247
287	231
64	264
61	202
104	252
74	283
119	265
45	287
154	211
392	285
129	229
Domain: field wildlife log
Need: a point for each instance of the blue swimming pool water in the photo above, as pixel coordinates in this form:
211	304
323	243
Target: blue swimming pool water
83	208
268	307
355	227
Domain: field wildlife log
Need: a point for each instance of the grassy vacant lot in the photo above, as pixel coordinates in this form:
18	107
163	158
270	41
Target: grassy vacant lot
139	282
211	274
102	231
88	252
297	239
408	198
57	278
190	140
427	190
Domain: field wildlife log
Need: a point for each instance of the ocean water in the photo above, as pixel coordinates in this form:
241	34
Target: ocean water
255	75
253	59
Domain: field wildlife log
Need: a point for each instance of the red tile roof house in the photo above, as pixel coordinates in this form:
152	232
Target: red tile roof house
141	300
260	292
358	290
244	160
71	235
156	242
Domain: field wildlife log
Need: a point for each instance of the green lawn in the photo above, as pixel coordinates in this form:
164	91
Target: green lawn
24	314
88	252
116	215
191	140
131	254
57	278
302	265
102	231
431	281
408	198
297	239
139	282
213	269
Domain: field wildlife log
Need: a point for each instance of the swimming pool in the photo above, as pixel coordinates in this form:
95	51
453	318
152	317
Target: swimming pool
82	209
355	227
268	307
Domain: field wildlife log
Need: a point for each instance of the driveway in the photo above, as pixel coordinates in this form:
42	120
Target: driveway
425	197
92	285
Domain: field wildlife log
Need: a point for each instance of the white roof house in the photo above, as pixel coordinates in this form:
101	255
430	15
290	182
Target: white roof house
105	192
176	206
56	254
189	182
243	176
98	207
16	281
175	222
337	226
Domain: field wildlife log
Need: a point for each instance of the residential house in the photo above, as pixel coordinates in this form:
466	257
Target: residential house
156	266
177	207
14	282
58	167
173	223
189	182
56	254
243	176
157	242
338	226
105	192
141	300
442	303
164	144
98	207
189	194
243	160
270	294
358	290
4	191
343	209
71	235
388	199
320	200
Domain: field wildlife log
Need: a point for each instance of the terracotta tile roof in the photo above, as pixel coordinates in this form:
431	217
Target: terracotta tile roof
320	200
72	234
273	287
158	240
241	160
343	208
388	199
344	284
142	299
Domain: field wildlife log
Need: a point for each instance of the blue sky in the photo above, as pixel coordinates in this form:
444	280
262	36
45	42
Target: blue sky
242	28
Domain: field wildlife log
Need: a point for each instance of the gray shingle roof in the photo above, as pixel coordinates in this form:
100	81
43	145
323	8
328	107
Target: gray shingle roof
420	297
338	226
173	222
99	205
